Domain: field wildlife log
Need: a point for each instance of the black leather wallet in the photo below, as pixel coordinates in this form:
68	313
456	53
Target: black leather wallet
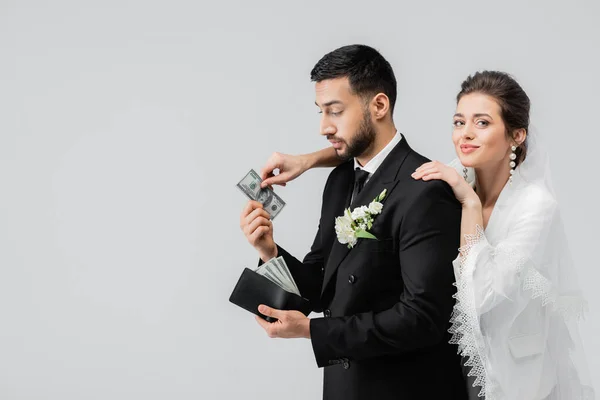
253	289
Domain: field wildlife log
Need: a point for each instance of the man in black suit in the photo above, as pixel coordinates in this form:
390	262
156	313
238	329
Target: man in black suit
386	301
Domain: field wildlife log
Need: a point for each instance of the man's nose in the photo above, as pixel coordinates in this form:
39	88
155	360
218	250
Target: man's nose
327	128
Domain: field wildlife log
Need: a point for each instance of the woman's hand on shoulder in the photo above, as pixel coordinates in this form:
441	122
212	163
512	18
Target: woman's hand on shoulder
437	170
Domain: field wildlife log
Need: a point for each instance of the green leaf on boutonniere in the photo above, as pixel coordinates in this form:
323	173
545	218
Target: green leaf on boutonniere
381	195
364	234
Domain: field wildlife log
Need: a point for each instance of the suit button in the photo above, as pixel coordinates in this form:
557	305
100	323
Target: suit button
327	313
351	279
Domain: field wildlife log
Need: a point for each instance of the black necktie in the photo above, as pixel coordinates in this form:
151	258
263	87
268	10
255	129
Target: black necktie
360	177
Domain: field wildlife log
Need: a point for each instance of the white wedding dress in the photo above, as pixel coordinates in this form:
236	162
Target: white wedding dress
518	299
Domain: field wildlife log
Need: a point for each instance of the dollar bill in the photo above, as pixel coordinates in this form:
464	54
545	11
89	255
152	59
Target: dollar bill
250	185
285	270
285	274
271	272
271	277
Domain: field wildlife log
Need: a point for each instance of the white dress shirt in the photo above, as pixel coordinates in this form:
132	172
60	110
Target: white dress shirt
376	161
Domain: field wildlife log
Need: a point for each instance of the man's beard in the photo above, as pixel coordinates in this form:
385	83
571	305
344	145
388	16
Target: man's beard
364	138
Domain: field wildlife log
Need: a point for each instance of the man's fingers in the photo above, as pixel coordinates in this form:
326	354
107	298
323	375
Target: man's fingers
270	327
258	212
262	323
258	222
245	212
258	233
250	207
247	220
270	312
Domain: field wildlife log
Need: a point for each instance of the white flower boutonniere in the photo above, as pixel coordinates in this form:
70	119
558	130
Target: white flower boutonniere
356	224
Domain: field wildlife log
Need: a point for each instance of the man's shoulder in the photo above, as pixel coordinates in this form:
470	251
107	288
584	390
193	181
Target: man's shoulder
419	189
343	169
414	160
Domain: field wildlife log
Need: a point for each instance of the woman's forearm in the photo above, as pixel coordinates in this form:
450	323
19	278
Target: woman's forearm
472	216
323	158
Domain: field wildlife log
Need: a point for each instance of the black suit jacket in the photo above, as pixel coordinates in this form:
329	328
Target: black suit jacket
386	302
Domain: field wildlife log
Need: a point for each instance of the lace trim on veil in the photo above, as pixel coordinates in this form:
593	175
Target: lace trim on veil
465	319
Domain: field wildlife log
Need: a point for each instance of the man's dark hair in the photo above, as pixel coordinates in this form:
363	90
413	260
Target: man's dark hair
366	69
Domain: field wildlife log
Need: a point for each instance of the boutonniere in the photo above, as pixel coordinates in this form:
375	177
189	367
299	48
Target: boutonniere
356	224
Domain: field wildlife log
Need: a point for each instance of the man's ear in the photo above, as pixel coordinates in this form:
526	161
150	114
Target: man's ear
379	106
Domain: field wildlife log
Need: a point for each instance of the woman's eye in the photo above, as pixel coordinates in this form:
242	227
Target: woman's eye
482	123
458	123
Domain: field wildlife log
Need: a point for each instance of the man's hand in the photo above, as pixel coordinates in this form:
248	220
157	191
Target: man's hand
289	324
256	224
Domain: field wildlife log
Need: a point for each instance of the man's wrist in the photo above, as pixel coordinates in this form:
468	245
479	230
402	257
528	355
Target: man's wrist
267	256
307	328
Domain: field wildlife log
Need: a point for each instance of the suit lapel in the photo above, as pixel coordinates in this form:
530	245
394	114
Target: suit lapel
384	178
344	187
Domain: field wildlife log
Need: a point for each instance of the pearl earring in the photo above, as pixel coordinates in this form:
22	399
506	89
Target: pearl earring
513	164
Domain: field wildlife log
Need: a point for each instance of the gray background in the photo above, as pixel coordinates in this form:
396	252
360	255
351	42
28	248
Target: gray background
124	126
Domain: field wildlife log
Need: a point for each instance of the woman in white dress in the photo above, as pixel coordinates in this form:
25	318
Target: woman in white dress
518	300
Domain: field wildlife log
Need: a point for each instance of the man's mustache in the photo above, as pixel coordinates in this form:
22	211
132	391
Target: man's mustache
335	139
